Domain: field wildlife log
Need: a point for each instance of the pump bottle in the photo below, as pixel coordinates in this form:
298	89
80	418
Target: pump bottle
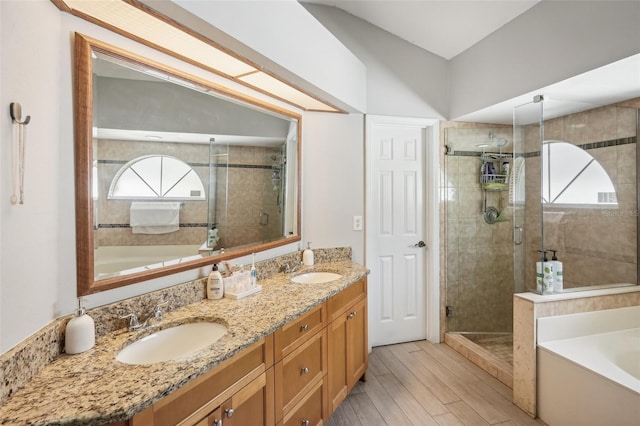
215	285
307	255
80	332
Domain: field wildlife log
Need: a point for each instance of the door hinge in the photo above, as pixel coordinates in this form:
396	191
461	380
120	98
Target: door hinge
449	311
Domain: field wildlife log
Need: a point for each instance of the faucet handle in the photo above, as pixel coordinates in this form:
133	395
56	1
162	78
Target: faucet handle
134	323
286	268
157	310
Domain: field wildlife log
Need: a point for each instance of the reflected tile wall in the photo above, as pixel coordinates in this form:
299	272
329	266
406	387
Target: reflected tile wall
247	205
251	210
113	215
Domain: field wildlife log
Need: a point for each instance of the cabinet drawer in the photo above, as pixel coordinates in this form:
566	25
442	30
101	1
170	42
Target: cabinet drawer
341	301
291	335
309	410
299	372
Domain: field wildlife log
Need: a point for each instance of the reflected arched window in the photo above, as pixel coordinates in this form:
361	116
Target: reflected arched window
571	176
157	177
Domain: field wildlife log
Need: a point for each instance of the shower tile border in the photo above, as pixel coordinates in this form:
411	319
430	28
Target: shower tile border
585	146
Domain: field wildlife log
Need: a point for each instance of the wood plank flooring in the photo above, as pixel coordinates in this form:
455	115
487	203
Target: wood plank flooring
420	383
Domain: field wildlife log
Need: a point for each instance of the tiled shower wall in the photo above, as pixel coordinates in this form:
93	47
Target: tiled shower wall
253	211
479	256
240	199
112	216
596	245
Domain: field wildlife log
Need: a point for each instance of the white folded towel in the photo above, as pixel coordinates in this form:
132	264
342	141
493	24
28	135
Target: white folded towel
159	217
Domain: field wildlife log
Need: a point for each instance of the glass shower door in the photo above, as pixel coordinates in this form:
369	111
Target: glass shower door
524	194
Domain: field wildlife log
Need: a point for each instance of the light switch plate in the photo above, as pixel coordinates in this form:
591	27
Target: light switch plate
357	223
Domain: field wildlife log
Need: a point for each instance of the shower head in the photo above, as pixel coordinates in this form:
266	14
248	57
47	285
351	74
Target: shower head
499	142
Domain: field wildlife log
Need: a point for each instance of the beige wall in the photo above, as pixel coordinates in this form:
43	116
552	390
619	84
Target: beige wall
250	193
243	192
114	154
596	245
478	263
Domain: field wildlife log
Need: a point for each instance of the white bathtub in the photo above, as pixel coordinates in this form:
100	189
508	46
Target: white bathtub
589	368
111	261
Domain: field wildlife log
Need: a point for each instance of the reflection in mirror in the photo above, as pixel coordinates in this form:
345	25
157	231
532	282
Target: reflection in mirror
180	174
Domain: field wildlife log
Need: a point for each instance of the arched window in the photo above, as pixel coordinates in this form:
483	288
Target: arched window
157	177
571	176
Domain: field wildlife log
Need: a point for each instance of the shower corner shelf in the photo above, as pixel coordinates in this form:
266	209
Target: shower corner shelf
496	184
493	182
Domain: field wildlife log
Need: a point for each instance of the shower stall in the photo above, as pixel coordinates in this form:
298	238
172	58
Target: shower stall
561	178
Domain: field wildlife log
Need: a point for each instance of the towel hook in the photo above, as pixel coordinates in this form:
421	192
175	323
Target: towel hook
18	147
15	110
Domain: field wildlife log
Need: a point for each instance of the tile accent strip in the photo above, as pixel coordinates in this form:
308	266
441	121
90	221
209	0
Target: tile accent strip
231	166
126	225
585	146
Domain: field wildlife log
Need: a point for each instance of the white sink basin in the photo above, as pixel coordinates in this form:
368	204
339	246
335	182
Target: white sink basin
172	343
315	277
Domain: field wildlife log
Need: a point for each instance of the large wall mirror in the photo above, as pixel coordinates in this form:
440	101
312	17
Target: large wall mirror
174	172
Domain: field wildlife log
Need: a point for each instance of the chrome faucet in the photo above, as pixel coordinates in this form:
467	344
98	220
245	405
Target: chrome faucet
155	314
289	268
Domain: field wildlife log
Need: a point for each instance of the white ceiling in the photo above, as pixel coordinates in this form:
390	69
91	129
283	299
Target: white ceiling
443	27
449	27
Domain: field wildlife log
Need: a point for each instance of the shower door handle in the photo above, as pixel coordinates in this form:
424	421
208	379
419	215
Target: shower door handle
517	235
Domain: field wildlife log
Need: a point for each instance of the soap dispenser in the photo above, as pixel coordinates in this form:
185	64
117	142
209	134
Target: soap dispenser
80	332
558	283
544	275
254	272
307	255
215	285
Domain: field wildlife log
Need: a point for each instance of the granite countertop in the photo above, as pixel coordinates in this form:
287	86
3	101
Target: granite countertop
93	388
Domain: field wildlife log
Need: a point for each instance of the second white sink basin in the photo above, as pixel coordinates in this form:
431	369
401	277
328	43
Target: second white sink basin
172	343
315	277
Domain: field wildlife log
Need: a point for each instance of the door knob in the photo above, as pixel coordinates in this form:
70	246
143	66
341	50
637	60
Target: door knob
420	244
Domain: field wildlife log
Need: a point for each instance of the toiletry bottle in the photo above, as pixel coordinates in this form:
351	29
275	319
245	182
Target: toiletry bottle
215	285
558	284
544	275
307	255
212	236
80	332
254	273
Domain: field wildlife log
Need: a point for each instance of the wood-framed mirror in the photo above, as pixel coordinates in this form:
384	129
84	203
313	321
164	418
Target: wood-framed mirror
174	172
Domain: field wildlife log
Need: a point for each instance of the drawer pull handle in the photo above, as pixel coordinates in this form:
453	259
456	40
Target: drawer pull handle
352	314
304	370
229	412
217	423
304	328
305	423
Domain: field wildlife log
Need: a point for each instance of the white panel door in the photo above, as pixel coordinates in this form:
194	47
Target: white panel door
396	255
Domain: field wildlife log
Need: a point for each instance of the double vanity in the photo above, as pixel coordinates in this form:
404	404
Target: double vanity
288	355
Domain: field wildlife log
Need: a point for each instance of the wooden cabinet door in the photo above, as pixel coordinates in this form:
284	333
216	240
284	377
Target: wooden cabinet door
251	406
348	352
357	350
337	378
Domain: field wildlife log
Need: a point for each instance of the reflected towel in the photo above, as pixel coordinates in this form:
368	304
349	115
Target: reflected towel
154	217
